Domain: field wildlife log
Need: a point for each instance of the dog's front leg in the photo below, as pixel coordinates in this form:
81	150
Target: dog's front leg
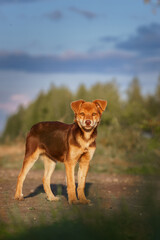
82	174
70	166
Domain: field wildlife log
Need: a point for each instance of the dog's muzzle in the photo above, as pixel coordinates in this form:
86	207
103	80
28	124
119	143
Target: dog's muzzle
87	124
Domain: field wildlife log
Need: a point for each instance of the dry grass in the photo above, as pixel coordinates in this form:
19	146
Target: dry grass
12	150
11	156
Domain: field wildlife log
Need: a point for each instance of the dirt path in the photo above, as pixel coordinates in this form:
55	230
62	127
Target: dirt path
102	189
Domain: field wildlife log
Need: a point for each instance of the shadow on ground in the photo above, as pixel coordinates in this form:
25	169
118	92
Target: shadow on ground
57	189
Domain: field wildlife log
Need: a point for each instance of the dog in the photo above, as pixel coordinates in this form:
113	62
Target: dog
68	143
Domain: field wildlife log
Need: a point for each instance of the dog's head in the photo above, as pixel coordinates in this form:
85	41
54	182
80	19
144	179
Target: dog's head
88	114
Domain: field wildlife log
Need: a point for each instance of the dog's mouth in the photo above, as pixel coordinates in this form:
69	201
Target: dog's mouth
87	127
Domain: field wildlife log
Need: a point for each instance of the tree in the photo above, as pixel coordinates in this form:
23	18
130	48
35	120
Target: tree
134	108
14	125
134	92
154	4
157	93
108	91
82	93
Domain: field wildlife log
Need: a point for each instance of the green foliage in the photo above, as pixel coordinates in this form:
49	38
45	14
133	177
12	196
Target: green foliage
55	105
14	126
135	109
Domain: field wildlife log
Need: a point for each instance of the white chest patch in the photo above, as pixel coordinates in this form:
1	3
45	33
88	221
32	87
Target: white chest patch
84	143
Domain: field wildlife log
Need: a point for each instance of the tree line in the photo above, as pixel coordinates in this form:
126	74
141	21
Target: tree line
136	110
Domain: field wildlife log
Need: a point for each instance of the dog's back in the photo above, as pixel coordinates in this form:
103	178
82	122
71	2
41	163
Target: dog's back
50	137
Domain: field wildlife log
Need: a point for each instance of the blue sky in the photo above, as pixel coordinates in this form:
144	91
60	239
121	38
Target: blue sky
69	42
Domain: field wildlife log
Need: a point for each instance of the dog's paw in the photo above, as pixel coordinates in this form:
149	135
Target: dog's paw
53	198
19	197
73	201
85	201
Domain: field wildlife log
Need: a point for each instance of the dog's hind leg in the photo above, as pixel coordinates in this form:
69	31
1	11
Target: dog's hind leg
28	162
49	167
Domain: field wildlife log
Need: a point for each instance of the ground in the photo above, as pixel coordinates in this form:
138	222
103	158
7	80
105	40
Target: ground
104	190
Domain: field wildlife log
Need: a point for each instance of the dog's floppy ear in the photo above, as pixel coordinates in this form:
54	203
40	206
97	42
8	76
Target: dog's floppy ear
101	104
76	105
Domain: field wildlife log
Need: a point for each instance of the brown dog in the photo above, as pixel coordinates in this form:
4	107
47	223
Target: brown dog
68	143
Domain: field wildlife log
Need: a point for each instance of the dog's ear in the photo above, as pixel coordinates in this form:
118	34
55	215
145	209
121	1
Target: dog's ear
76	105
101	104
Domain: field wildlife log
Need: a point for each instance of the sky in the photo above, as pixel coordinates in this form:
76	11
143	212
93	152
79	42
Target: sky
73	42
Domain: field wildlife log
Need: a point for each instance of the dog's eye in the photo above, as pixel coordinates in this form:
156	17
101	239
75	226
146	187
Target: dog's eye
94	114
82	114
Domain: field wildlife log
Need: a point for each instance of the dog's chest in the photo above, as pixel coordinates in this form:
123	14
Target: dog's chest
84	143
82	146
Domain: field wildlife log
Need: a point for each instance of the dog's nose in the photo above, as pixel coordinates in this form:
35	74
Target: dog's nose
88	122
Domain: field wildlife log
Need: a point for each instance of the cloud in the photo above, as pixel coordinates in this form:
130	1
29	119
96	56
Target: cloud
55	15
13	102
85	13
138	54
68	62
20	99
145	41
